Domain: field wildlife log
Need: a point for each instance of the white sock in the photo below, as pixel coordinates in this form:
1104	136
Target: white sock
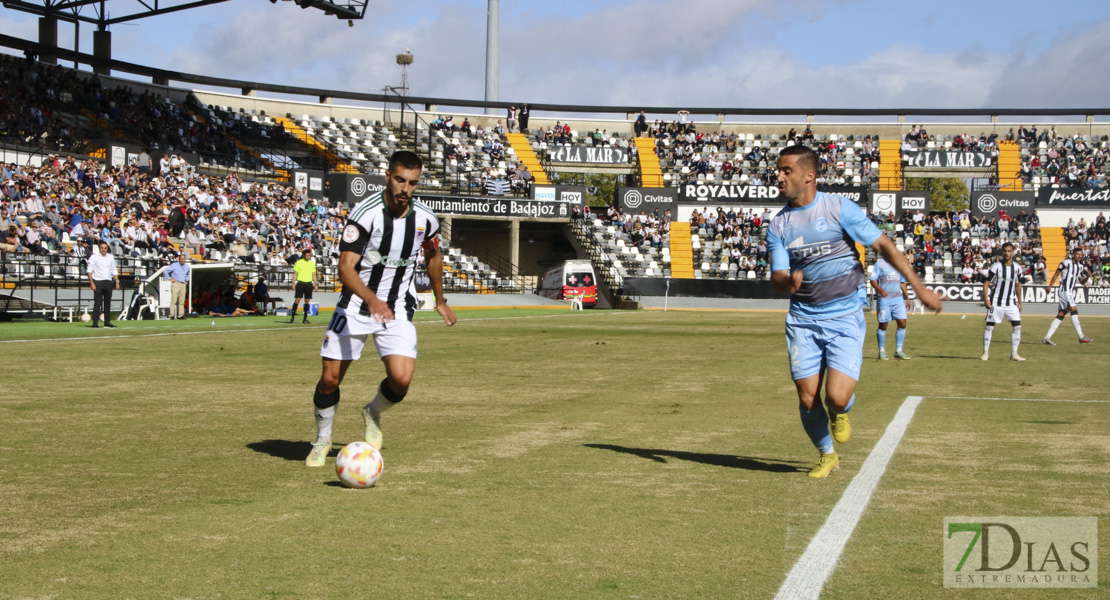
1075	323
324	419
380	403
1052	328
1015	339
987	337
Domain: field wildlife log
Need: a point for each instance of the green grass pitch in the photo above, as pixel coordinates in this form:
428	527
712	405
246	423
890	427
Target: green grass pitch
540	454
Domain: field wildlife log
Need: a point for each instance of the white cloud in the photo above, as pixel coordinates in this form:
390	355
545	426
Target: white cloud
693	53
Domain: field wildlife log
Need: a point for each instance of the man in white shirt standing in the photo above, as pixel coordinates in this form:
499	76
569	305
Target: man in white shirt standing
102	273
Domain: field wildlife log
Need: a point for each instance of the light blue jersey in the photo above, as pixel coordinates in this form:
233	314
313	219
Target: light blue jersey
819	239
888	278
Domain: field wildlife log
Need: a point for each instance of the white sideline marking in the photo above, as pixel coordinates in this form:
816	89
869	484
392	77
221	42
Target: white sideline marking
1020	399
286	328
817	563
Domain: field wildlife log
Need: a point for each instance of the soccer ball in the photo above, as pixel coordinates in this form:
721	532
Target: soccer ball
86	317
359	465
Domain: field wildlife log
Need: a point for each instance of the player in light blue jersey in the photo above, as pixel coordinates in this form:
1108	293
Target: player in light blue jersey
894	301
813	258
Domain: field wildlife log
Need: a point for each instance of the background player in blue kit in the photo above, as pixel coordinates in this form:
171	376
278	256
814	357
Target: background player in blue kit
813	258
894	301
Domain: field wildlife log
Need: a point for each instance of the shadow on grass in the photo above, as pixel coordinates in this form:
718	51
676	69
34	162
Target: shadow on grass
950	357
747	463
286	449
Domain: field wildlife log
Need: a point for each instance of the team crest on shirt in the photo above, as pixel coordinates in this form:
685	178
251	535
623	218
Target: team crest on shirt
822	225
350	234
373	257
419	234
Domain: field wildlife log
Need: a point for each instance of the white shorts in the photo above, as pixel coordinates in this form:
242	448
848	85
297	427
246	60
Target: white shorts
1067	300
1000	313
347	332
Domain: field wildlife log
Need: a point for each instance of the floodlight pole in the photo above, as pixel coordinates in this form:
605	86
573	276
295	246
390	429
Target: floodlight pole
492	53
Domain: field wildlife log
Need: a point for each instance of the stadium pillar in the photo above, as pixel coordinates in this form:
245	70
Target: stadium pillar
102	51
514	245
492	53
48	39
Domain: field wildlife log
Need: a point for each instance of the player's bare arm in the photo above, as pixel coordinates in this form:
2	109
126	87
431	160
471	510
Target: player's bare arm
906	296
987	294
348	276
889	251
879	289
434	259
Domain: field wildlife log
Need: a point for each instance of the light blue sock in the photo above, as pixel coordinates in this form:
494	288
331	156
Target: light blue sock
899	337
847	409
881	334
816	424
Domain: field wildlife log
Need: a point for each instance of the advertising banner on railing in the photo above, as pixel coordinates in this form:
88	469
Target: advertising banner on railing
517	208
1094	198
591	155
1030	294
351	188
732	193
900	202
946	159
313	181
727	193
634	199
988	204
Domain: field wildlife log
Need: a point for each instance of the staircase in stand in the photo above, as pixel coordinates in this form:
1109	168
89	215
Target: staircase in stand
682	251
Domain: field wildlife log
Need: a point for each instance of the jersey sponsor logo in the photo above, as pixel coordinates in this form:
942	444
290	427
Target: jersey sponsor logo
798	249
350	234
375	258
822	225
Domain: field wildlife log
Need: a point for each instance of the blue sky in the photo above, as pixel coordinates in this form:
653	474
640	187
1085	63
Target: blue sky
764	53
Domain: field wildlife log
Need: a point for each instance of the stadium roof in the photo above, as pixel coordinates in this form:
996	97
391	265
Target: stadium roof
103	13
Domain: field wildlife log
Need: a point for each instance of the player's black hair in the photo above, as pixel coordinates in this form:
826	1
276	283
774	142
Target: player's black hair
1010	244
807	158
406	159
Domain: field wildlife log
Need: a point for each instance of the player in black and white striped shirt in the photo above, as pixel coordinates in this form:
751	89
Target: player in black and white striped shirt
1002	295
1071	274
378	254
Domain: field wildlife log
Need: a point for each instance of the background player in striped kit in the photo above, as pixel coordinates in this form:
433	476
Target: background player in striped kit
814	259
894	301
378	254
1071	273
1002	296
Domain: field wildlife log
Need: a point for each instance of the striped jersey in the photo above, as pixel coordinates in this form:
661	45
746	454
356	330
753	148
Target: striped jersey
1004	282
819	238
390	249
888	278
1070	274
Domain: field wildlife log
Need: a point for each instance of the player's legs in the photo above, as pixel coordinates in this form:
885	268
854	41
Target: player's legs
396	343
988	331
1015	335
337	352
898	314
880	333
1060	313
298	291
1075	323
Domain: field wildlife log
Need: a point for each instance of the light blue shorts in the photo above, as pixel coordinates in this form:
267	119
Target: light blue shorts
892	311
815	344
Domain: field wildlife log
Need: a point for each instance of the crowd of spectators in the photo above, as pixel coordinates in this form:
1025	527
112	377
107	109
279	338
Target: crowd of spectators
741	234
69	110
648	230
695	154
1068	161
152	215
